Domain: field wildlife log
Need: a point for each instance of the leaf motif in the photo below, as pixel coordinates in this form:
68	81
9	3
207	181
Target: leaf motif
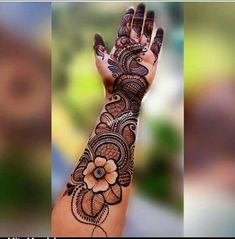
77	175
70	188
114	67
106	118
102	128
81	215
92	203
113	195
124	179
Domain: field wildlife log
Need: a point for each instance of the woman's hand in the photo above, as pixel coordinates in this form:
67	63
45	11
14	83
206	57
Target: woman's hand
95	200
133	55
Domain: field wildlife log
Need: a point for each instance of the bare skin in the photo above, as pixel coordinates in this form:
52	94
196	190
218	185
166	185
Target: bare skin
95	200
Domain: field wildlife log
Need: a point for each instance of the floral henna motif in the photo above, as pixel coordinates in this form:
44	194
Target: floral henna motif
107	163
105	167
100	174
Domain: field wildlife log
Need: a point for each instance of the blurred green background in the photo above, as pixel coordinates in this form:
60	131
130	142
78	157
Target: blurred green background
209	38
209	132
78	96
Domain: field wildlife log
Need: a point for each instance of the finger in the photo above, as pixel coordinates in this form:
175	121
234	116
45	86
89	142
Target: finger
138	22
125	26
157	42
148	28
99	46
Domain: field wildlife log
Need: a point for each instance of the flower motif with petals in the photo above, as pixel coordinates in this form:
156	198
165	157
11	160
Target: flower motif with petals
100	174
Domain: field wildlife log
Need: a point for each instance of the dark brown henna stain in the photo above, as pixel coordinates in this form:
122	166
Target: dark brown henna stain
99	46
139	19
125	26
157	43
148	25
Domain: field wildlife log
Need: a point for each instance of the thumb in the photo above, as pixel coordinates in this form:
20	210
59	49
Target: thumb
99	46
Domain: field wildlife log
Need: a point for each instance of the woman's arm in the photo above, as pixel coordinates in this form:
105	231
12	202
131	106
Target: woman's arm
95	200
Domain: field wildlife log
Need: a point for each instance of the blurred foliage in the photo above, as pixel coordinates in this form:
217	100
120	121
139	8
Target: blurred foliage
158	179
209	119
167	137
78	90
209	42
25	184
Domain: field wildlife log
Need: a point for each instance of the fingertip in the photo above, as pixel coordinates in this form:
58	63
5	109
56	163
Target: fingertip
140	7
150	15
160	32
159	35
130	10
98	40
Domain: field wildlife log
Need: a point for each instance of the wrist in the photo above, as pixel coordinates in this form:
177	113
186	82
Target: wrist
128	91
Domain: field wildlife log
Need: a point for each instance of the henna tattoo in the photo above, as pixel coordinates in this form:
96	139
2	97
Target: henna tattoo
125	26
157	43
148	26
107	163
126	59
99	46
139	19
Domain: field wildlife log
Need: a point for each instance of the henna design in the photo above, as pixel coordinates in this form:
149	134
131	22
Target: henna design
148	26
107	163
157	43
125	26
126	59
139	19
99	46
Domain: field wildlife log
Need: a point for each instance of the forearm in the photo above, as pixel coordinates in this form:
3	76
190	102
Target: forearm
95	201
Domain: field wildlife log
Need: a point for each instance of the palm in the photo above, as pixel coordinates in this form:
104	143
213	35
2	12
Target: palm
132	53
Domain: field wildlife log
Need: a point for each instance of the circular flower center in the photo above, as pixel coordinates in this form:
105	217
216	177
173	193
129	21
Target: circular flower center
99	172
